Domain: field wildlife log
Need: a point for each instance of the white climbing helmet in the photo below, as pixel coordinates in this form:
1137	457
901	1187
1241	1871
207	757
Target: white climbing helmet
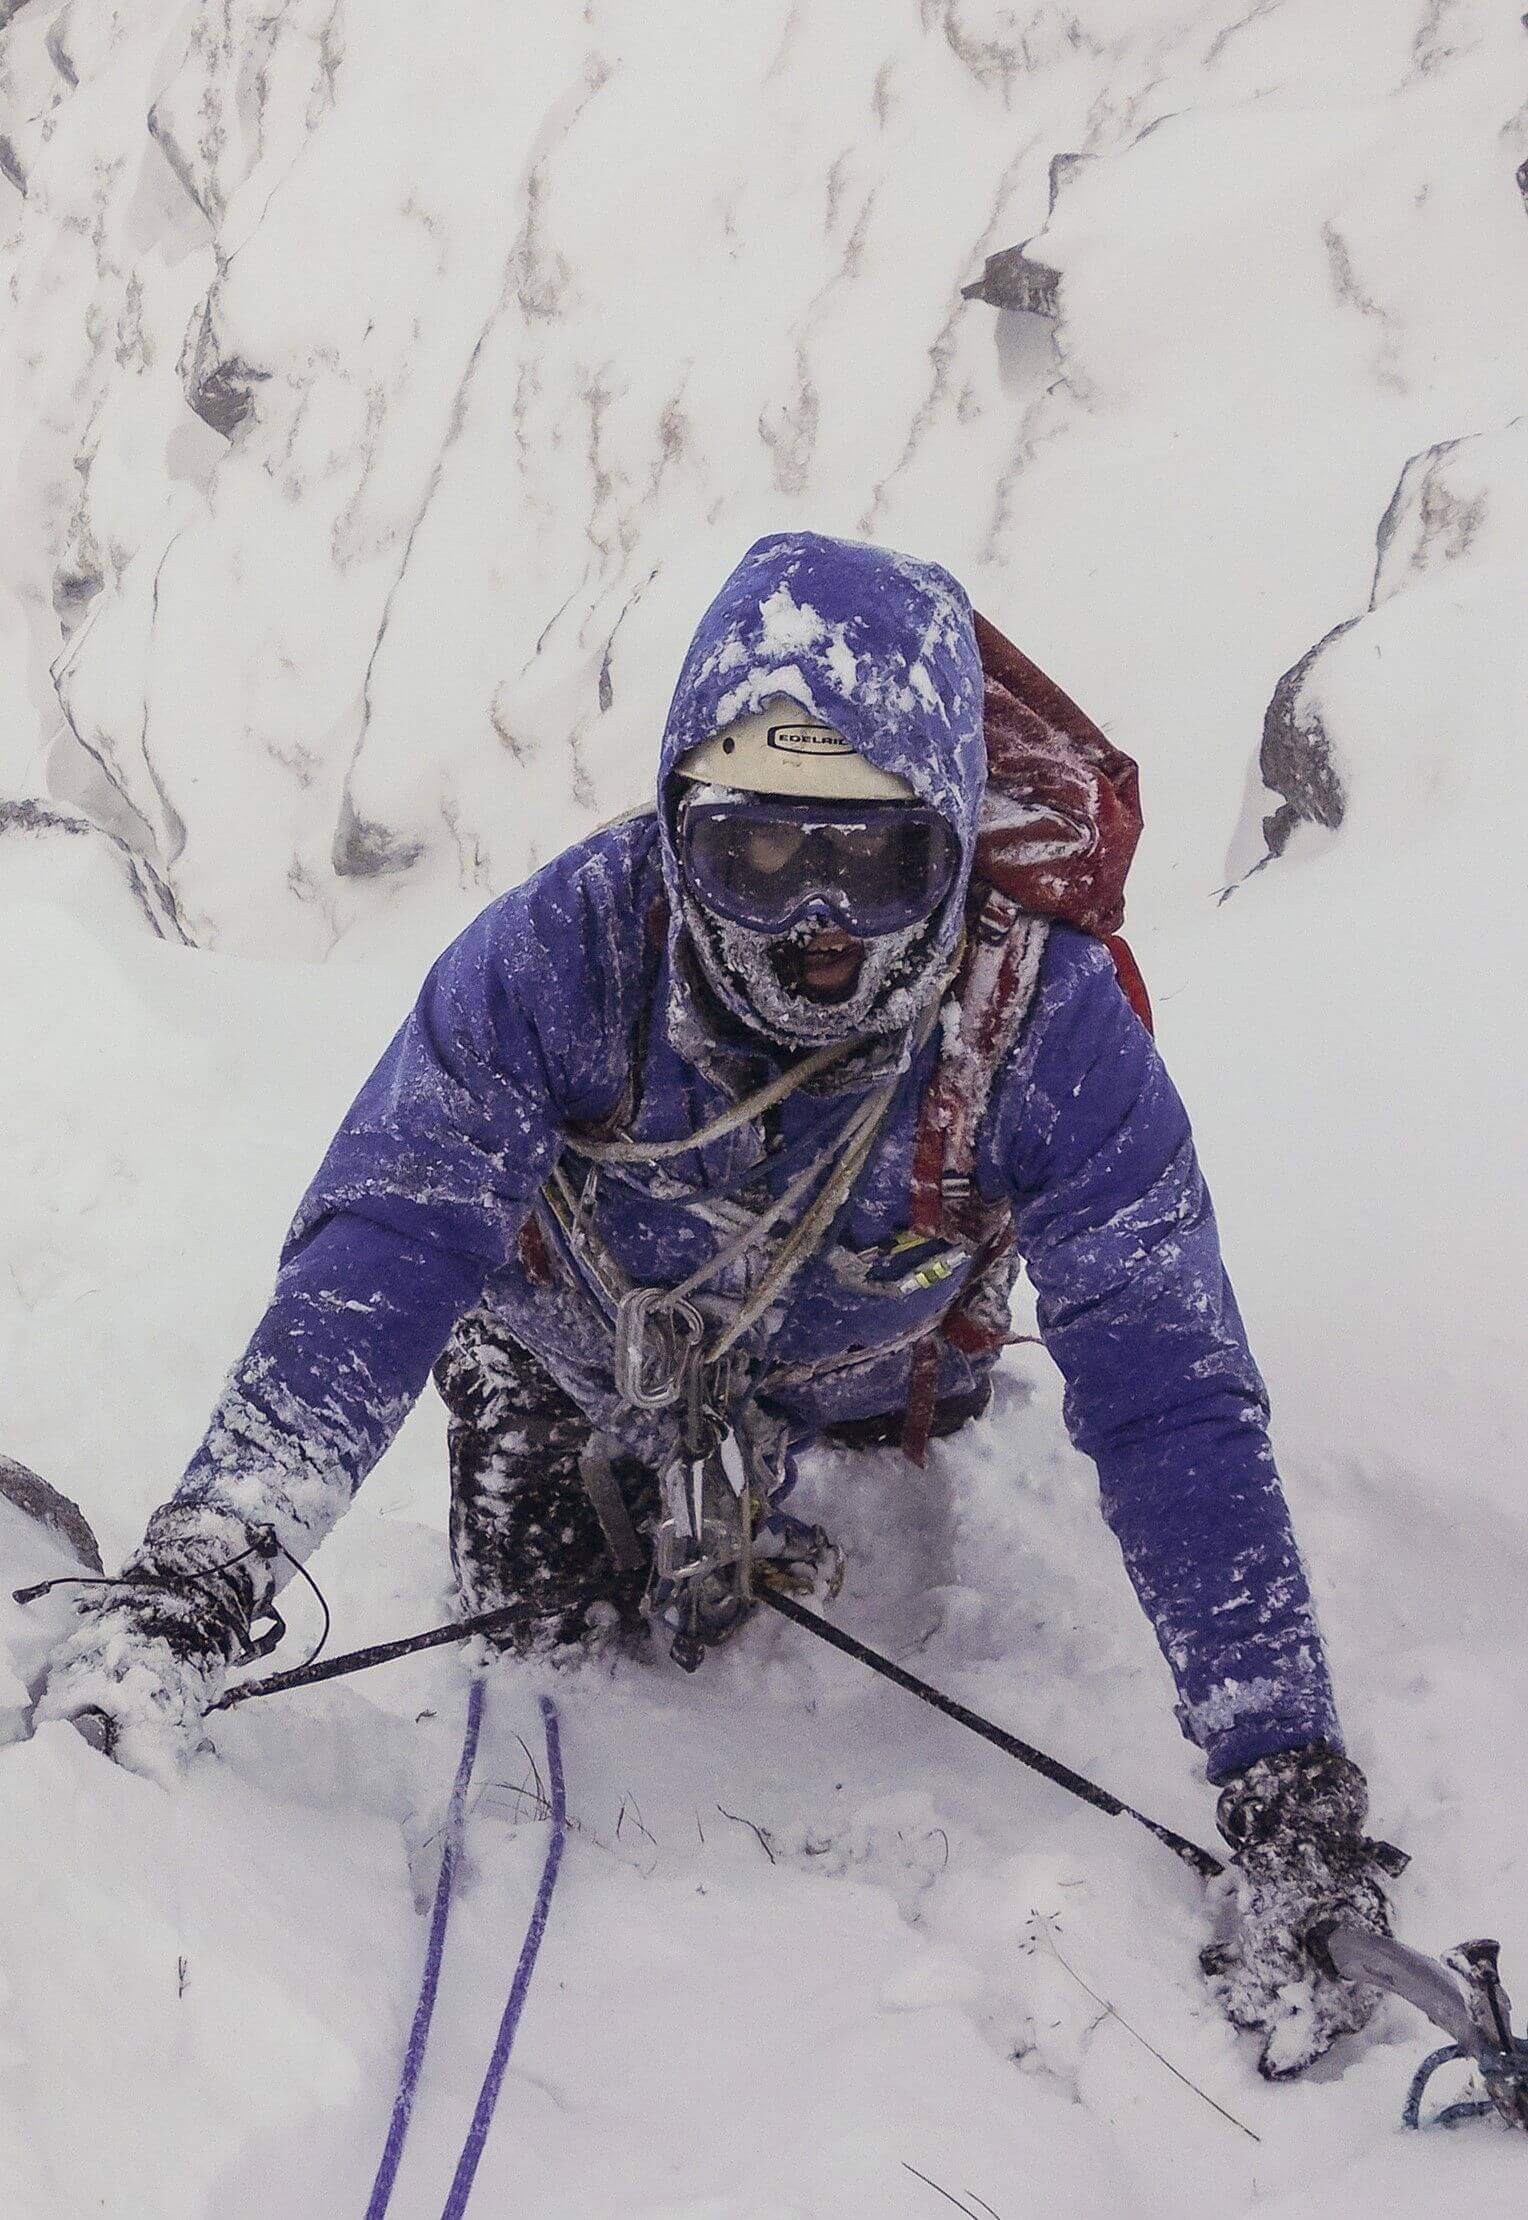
783	749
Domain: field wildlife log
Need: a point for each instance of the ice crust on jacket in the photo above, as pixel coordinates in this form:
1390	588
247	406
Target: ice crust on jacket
527	1027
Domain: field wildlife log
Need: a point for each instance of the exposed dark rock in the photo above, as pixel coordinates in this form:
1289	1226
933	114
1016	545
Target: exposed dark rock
1522	167
1016	279
10	160
30	816
75	586
1296	755
52	1510
177	157
219	386
1061	168
1013	279
1426	520
223	399
153	894
56	47
363	850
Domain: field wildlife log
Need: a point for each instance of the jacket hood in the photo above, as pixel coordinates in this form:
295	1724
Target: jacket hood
879	645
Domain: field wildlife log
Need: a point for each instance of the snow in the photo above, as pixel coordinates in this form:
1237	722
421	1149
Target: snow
531	337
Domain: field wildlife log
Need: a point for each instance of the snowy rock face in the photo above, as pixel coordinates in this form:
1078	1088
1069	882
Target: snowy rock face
383	393
1445	620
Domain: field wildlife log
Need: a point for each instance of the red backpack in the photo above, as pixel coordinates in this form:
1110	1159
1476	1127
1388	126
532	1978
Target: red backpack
1058	829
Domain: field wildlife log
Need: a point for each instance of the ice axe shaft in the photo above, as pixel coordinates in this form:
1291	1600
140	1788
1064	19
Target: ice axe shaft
1462	1995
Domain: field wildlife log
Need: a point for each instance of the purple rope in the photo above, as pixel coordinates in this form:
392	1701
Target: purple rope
488	2095
419	2033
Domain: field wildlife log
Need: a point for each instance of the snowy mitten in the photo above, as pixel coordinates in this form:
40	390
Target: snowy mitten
137	1673
1295	1825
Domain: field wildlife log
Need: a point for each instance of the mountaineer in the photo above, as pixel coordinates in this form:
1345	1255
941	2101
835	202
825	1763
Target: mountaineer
725	1134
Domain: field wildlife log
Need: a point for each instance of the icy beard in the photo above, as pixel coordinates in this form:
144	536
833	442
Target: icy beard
898	973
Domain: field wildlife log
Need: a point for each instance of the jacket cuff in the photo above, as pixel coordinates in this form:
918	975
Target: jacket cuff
1238	1724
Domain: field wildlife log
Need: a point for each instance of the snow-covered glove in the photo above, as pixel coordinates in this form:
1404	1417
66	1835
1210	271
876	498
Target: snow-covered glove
1295	1823
148	1657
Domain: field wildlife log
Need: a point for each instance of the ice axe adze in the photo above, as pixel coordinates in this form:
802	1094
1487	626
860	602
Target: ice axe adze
1462	1995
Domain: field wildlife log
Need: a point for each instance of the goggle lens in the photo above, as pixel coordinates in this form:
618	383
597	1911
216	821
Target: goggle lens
880	867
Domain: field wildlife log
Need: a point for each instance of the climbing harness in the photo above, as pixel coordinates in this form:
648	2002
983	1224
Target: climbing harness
660	1330
429	1986
718	1484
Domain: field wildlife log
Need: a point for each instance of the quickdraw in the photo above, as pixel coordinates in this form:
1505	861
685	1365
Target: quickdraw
658	1336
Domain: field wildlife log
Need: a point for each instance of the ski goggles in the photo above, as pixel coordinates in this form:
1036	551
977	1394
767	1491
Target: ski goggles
877	867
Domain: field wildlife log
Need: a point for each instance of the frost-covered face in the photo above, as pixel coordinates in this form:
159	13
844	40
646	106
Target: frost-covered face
816	983
880	649
814	922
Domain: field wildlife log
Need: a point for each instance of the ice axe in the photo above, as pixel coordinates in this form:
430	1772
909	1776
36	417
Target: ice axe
28	1493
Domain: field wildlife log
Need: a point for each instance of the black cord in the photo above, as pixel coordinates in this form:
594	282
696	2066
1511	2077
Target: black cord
317	1650
361	1661
265	1545
147	1579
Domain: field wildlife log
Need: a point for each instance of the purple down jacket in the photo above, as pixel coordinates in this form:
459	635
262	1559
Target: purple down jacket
571	1001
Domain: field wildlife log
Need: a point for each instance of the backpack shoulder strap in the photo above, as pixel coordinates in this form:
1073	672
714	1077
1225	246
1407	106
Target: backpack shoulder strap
980	1024
1132	985
992	999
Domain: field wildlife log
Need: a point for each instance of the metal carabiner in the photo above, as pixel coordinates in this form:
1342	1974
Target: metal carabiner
657	1342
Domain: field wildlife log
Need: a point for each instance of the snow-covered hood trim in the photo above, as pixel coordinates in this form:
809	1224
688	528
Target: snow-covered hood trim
881	646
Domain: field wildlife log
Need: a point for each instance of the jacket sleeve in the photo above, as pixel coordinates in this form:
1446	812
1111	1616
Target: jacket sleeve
520	1027
1119	1237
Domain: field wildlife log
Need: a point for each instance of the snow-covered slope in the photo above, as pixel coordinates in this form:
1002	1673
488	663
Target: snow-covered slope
382	391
